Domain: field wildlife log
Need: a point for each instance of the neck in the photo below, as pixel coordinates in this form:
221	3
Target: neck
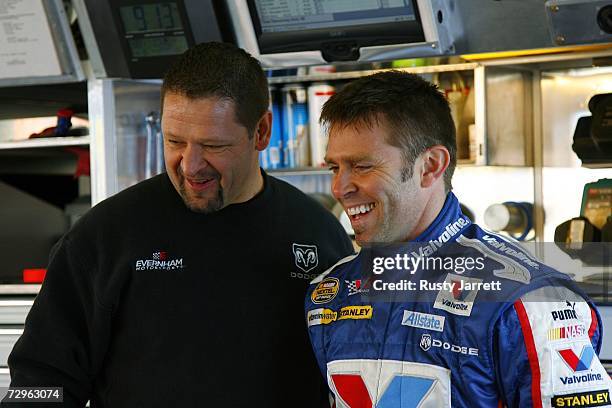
431	209
255	183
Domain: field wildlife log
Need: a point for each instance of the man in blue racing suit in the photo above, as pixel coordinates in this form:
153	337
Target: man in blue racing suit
500	330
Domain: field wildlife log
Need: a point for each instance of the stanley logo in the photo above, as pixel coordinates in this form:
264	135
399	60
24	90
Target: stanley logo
583	399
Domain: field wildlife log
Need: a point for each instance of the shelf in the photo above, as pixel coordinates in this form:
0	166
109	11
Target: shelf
20	289
316	171
301	171
358	74
46	142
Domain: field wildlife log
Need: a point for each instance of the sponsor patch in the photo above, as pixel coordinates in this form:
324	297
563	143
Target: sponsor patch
582	399
457	301
576	363
327	316
449	232
355	312
160	260
423	320
357	286
567	332
568	313
388	384
325	291
427	342
321	316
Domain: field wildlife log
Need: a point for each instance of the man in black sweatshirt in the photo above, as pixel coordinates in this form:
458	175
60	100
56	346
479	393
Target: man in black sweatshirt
186	289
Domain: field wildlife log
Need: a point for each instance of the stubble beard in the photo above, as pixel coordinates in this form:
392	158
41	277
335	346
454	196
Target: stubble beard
200	204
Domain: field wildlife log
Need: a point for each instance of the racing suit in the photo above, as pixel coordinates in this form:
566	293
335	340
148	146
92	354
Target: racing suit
458	347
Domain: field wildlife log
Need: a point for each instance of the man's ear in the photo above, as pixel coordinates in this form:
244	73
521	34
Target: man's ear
435	162
263	131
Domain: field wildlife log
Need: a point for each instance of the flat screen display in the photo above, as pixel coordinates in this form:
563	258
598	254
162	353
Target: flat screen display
338	28
153	29
284	16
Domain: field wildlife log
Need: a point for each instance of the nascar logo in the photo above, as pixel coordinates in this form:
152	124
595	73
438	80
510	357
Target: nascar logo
566	332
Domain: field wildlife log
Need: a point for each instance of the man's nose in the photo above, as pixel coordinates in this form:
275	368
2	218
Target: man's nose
342	184
193	160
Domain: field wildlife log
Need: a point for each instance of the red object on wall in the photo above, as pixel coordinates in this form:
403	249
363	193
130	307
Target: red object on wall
34	275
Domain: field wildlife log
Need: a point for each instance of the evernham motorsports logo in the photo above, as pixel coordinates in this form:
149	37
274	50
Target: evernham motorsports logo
327	316
458	300
427	342
159	261
325	291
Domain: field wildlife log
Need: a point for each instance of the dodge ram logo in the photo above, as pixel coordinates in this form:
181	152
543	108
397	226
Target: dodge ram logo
306	257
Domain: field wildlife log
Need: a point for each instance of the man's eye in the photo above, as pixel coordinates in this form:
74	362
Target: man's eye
333	169
215	148
363	167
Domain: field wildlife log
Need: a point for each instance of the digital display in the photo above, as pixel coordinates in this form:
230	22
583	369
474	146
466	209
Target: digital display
153	17
282	15
154	29
157	46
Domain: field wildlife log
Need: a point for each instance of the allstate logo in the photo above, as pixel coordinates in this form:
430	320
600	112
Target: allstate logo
425	342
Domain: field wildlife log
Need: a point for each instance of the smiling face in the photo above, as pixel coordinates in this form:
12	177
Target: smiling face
369	181
209	156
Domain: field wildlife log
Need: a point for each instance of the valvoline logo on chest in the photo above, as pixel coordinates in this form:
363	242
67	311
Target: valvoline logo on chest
388	384
458	293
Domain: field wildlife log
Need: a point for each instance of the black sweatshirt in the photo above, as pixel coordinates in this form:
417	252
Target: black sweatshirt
148	304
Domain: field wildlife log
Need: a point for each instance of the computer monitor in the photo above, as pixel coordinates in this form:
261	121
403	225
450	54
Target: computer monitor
141	38
298	32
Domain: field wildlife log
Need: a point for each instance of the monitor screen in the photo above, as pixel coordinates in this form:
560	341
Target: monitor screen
281	15
153	29
336	27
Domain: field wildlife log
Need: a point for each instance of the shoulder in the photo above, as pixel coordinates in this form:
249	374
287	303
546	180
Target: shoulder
299	206
138	202
508	259
138	193
294	198
345	262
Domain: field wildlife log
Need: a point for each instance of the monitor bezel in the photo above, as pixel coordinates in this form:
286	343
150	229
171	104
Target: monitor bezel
355	37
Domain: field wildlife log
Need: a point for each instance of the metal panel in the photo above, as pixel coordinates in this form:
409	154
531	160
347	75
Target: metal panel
103	140
89	38
5	379
480	114
509	117
576	21
134	100
8	338
492	26
14	311
117	109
